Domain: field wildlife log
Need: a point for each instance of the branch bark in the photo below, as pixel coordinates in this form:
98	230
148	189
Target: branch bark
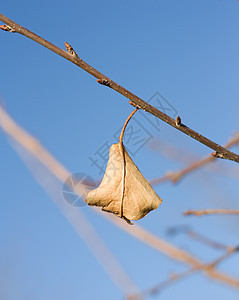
135	100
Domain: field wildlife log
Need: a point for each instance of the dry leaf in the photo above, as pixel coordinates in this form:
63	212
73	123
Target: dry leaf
139	198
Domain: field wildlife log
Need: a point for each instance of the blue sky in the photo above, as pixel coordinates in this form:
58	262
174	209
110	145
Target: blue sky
185	50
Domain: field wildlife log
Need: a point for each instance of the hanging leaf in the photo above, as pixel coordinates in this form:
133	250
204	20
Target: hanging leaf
124	191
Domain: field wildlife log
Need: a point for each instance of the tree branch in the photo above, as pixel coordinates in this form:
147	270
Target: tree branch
219	150
176	277
172	251
211	212
197	236
178	175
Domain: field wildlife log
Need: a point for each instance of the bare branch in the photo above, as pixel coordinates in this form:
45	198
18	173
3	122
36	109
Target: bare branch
176	277
197	236
178	175
205	240
211	212
173	278
172	251
226	154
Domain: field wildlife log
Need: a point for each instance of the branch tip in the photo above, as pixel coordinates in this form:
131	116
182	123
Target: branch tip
193	212
7	28
215	211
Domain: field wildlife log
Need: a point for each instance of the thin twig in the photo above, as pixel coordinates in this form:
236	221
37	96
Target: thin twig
14	131
222	152
176	277
197	236
162	285
124	166
222	258
178	175
171	251
211	212
205	240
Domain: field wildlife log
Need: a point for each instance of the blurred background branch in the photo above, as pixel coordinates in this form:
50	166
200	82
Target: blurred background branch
175	176
15	132
211	212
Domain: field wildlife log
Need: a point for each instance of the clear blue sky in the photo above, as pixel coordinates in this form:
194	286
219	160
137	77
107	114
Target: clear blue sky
187	51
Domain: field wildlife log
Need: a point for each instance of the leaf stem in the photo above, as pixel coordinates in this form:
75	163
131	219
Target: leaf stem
124	165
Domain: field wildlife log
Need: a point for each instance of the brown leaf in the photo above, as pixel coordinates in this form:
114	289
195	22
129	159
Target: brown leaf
139	197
